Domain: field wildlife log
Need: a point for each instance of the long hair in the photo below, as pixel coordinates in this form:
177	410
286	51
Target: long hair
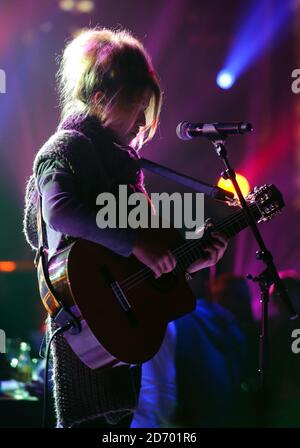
116	64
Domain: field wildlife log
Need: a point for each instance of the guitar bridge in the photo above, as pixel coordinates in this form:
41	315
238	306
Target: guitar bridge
120	296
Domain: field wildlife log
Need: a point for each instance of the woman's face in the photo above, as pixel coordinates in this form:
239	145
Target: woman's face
127	124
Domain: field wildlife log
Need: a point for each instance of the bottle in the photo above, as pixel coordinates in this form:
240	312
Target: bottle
24	366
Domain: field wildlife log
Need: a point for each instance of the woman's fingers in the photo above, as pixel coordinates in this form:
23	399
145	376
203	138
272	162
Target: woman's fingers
220	237
168	263
165	265
157	271
217	248
212	254
215	251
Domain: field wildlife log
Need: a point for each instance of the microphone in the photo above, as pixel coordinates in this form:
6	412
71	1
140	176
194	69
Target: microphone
187	131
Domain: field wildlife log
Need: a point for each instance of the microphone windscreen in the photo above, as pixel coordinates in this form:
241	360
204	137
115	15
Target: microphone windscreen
182	131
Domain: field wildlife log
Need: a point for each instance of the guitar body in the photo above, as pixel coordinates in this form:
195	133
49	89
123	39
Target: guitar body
85	275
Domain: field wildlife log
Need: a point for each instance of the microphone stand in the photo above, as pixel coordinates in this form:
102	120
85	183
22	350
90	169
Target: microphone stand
269	275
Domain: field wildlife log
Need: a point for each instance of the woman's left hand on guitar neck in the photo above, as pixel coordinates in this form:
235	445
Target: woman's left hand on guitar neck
215	252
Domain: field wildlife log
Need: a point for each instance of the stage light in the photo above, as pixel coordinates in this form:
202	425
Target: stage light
14	362
67	5
7	266
258	26
241	180
85	6
82	6
225	79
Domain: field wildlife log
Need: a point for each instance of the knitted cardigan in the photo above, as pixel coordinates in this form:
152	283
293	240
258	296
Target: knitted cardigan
87	151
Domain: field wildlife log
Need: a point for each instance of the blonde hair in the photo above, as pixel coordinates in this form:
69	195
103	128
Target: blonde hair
116	64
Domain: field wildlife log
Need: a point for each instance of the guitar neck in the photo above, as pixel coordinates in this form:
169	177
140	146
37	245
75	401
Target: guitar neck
192	250
264	202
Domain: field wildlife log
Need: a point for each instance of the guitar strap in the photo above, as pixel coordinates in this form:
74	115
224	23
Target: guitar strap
53	305
49	300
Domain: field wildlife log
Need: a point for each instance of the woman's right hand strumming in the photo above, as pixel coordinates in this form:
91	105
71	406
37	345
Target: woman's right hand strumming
151	249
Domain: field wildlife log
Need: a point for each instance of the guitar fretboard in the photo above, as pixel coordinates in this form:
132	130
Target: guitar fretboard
192	250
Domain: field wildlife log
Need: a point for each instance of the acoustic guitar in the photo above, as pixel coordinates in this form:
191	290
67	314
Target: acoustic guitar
123	310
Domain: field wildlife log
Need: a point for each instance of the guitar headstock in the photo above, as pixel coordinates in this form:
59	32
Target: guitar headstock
268	200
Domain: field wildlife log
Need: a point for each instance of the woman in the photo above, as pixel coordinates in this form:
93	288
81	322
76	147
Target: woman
110	98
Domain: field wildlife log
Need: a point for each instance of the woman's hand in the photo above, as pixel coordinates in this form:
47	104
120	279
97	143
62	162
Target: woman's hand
215	253
152	250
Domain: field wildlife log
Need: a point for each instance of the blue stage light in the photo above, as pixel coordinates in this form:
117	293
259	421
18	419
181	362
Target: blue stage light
225	79
261	23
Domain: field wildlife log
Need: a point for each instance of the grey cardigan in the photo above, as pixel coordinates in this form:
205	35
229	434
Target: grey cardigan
77	163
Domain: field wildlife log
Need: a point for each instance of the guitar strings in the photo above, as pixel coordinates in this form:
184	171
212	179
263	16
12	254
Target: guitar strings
182	250
139	276
148	273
